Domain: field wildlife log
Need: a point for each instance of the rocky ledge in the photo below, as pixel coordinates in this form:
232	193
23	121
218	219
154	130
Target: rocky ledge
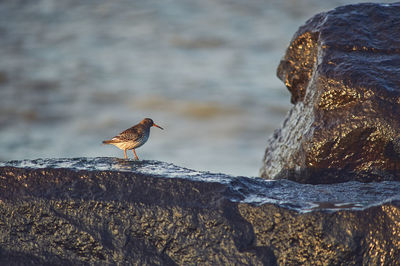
342	69
108	211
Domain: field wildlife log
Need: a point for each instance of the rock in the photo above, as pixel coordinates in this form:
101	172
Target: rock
342	69
106	211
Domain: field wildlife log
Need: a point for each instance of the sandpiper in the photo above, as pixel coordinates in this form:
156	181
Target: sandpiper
133	137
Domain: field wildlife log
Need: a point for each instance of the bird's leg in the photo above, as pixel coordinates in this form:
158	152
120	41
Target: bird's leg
137	158
126	157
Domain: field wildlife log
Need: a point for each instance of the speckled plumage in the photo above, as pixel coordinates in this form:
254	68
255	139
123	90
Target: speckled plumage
133	137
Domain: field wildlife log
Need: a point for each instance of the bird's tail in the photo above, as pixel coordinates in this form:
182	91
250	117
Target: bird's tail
108	141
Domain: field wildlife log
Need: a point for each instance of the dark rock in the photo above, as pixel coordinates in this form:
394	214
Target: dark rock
342	69
105	211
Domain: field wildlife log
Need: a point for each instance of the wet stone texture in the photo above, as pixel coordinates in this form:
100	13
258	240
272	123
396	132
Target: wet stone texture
107	211
343	71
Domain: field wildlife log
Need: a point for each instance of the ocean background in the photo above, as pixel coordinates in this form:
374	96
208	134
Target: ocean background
74	73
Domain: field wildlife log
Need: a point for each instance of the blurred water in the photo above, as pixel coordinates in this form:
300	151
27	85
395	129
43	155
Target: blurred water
73	73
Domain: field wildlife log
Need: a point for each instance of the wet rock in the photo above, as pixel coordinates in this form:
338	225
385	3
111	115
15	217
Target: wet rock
107	211
342	69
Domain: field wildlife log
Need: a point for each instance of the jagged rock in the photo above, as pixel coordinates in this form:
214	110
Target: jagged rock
342	69
106	211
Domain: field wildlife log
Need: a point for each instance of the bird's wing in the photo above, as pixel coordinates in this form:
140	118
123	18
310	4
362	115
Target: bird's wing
131	134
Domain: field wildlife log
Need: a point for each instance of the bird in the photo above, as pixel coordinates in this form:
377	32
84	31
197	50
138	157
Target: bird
133	137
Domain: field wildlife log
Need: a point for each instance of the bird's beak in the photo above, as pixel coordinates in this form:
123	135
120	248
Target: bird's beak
154	125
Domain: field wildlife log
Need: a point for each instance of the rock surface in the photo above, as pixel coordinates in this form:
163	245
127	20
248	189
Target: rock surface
107	211
342	69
